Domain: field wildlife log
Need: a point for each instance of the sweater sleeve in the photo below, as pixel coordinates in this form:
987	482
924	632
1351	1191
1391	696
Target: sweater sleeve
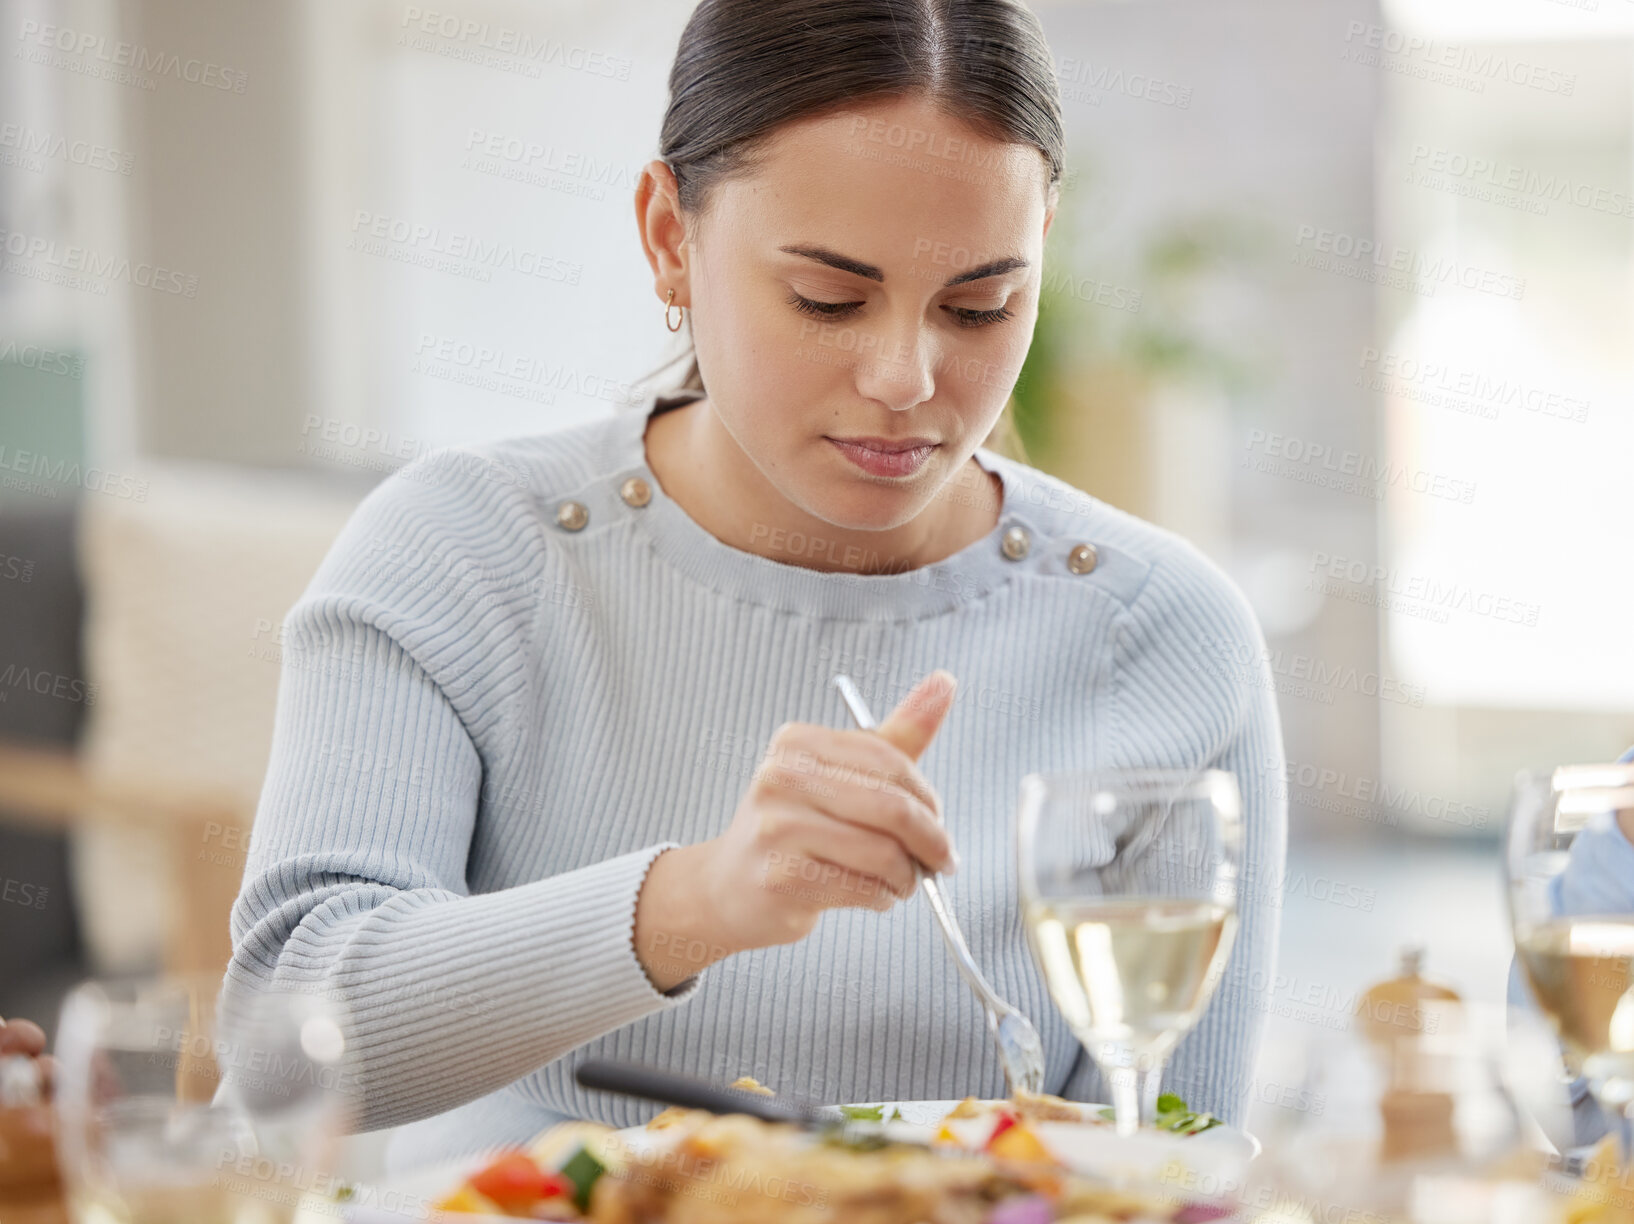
1194	688
397	663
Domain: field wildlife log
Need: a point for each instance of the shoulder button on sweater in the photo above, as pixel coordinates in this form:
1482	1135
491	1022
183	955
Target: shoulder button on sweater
572	515
635	491
1082	559
1016	542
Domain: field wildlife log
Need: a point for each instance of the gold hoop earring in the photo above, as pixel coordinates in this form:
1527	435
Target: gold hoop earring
682	309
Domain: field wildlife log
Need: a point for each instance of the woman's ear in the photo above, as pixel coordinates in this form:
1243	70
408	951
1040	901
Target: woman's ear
663	229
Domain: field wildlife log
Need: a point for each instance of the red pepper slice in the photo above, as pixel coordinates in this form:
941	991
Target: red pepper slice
515	1182
1005	1122
558	1186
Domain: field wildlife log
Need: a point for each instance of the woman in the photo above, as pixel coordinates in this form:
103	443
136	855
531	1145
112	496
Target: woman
558	771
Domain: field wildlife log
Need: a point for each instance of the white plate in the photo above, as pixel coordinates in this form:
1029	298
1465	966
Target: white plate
1210	1163
408	1196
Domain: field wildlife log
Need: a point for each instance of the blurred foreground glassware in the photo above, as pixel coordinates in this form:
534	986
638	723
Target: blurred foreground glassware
1575	953
180	1104
1128	884
28	1158
1415	1126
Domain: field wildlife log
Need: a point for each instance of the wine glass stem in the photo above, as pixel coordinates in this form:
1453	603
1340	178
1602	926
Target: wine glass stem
1134	1094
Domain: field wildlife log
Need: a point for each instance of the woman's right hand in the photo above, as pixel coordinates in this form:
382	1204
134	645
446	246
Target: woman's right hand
832	818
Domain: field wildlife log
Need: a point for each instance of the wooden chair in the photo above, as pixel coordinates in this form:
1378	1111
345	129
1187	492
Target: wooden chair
184	594
54	788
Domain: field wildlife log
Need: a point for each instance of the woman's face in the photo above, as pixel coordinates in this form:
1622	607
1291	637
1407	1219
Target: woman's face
876	277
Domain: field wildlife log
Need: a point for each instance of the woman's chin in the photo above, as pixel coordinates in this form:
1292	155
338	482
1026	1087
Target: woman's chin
867	508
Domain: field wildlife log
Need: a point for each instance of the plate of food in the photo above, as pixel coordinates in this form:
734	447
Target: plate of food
948	1162
701	1167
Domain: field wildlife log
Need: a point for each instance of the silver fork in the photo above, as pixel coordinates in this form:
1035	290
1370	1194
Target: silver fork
1020	1050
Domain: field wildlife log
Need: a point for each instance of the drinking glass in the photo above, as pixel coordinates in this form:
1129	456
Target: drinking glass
1575	957
1128	885
178	1103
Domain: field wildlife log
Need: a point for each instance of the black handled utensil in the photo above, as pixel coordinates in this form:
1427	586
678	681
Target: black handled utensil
690	1092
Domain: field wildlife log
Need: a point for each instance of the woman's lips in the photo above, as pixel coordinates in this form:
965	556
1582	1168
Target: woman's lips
879	462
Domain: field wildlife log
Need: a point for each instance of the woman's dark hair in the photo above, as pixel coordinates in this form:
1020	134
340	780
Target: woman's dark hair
746	67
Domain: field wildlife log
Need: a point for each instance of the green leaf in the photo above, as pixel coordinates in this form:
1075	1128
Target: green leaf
1173	1116
867	1141
864	1113
1184	1122
583	1170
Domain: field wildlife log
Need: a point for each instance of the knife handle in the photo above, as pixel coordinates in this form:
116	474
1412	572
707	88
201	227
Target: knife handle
689	1092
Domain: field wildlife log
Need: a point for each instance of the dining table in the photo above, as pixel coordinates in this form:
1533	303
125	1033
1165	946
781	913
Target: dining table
30	1190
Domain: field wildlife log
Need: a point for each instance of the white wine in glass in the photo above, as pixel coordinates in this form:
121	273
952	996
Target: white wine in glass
1578	969
1576	959
1128	883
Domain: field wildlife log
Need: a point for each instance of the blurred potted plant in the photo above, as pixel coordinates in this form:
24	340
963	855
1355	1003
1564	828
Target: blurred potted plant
1123	364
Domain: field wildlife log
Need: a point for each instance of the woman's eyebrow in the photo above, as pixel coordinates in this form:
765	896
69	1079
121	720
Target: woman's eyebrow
855	266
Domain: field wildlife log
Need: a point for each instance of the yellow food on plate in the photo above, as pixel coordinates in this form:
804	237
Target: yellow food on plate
666	1117
467	1201
1029	1106
1042	1107
1019	1143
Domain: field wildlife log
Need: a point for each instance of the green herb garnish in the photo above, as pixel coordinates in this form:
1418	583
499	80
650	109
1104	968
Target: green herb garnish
583	1170
1174	1116
870	1141
871	1113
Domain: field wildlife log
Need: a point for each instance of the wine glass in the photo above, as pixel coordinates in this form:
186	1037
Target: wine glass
1575	956
1128	884
180	1103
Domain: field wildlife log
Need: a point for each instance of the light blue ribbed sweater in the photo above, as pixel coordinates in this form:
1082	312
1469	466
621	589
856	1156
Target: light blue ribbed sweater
489	725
